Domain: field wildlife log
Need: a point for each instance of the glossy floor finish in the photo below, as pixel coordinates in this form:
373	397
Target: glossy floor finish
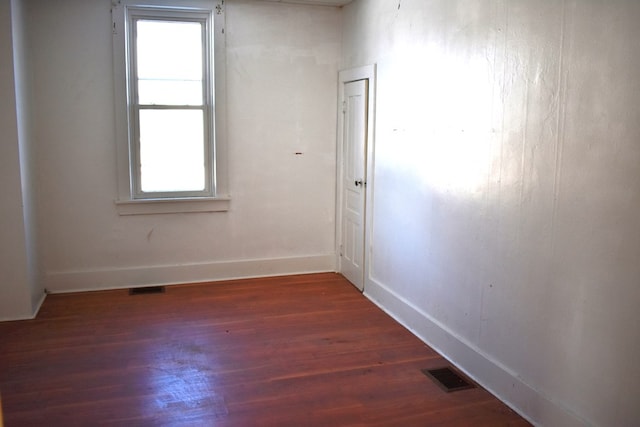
290	351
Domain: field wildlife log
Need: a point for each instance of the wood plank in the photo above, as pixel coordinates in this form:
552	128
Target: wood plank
295	350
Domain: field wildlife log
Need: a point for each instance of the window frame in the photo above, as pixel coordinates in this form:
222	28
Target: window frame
131	200
134	15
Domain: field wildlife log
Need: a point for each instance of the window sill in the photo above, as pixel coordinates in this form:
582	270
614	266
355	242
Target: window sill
167	206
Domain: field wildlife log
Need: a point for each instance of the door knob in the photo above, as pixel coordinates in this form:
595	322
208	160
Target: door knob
359	182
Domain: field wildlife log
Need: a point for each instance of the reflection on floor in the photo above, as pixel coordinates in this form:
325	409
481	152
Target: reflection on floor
285	351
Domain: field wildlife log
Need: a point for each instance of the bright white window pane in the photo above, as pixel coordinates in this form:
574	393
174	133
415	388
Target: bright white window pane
169	62
169	92
172	150
169	50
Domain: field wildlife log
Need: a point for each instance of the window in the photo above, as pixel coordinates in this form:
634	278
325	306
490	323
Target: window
169	76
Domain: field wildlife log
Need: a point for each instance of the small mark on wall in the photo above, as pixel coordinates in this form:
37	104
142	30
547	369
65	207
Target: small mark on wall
149	234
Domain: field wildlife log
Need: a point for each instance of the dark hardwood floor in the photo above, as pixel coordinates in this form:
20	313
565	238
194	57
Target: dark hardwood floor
305	350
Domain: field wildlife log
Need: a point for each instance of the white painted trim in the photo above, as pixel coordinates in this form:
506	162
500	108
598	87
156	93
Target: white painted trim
162	206
33	314
498	379
13	319
367	72
122	117
119	278
38	306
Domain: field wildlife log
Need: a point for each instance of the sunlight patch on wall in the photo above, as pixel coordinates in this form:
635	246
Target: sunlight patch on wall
440	127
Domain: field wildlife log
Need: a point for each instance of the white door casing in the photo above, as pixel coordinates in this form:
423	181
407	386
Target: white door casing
353	182
354	213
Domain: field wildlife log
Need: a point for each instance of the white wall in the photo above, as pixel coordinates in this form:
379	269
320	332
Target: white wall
507	187
281	74
20	292
13	302
22	73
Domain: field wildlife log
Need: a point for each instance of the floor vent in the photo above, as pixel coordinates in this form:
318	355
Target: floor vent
146	290
448	379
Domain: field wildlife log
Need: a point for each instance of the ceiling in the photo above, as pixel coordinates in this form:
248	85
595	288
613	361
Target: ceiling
315	2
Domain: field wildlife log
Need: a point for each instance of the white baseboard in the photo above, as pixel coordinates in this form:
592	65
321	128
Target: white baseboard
490	374
29	316
119	278
14	318
36	309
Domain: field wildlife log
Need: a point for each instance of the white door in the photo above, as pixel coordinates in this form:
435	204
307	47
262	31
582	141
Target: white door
353	173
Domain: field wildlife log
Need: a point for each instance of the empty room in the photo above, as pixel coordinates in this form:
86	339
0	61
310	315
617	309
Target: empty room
286	213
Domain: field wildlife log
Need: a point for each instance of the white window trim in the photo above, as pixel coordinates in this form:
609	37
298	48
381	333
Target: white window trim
126	203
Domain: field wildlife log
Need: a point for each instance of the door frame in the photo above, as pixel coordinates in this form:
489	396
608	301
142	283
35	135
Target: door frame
367	72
